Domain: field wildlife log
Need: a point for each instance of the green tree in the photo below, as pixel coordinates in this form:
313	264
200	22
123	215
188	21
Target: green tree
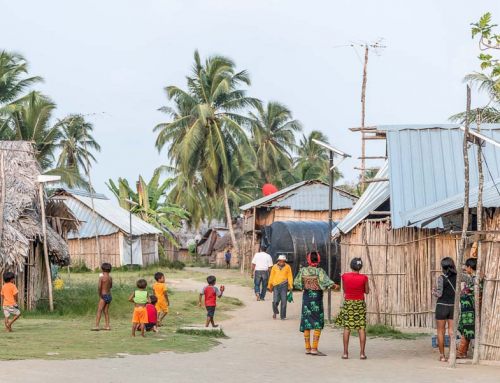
206	132
13	80
312	161
273	139
151	203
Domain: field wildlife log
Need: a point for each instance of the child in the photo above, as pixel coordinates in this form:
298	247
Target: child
160	291
152	314
104	291
211	292
9	297
140	298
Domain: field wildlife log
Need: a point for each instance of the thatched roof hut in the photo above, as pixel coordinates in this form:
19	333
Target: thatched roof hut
21	234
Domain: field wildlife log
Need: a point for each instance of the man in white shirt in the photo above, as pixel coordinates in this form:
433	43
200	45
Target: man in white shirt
261	265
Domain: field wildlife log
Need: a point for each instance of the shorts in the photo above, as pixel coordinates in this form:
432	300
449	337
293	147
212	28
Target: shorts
107	298
149	326
444	312
10	310
210	311
140	315
161	306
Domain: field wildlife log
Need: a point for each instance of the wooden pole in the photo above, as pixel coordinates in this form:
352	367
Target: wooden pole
463	238
363	114
253	232
45	246
330	228
2	195
477	292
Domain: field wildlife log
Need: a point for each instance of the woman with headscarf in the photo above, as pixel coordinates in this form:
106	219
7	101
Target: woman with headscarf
352	316
312	280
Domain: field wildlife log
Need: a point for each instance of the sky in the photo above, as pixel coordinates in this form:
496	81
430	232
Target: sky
111	60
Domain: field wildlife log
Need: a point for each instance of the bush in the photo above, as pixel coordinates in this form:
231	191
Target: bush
79	267
176	265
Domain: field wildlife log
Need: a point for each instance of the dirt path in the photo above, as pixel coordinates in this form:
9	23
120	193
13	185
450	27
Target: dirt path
259	349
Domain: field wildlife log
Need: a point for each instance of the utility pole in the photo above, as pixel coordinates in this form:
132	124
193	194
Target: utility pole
375	46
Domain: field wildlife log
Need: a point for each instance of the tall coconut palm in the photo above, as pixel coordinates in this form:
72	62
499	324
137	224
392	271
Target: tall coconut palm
312	161
206	132
13	80
273	138
76	143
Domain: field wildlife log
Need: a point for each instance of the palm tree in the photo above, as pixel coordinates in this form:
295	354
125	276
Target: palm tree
151	202
13	68
75	143
273	139
312	161
206	133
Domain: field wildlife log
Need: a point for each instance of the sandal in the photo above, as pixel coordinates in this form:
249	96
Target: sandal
442	358
363	357
317	353
345	356
308	352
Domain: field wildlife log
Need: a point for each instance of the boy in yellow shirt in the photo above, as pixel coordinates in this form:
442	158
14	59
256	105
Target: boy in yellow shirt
160	292
280	282
9	300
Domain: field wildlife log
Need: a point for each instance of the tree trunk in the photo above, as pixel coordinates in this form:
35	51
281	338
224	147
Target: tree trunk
463	239
230	225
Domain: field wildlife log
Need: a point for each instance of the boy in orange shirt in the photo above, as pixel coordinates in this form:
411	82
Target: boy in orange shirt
9	298
160	291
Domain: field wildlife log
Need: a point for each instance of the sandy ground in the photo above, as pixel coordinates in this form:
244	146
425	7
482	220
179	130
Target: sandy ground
260	349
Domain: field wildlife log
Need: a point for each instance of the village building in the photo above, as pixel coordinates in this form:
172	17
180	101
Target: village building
21	232
306	201
408	219
123	238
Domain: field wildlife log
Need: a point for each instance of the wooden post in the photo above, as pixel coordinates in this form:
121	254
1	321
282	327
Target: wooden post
45	246
463	238
253	232
363	114
477	292
330	228
2	195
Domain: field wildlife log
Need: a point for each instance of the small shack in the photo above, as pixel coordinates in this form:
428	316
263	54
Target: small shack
303	201
123	239
21	235
388	228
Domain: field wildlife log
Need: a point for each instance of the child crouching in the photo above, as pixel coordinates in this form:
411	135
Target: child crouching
152	314
140	298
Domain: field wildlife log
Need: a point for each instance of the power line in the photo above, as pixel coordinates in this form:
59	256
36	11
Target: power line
489	172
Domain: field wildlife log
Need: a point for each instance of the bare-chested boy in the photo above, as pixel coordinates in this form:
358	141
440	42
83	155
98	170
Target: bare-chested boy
104	291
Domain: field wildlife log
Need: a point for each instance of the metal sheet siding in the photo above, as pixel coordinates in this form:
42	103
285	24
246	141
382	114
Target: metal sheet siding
111	218
314	197
268	198
426	166
374	196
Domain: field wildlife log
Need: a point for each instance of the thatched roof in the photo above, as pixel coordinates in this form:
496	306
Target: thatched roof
21	223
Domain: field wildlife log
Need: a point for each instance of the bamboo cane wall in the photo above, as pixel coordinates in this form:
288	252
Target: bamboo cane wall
149	244
85	250
402	266
490	329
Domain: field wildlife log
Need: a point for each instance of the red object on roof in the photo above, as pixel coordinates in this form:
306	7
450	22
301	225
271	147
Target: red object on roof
269	189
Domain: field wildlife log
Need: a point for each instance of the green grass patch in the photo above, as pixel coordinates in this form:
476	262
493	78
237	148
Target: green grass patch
212	333
65	333
388	332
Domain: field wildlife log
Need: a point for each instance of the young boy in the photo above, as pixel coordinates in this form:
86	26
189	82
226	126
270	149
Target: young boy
104	291
9	300
140	298
211	293
160	292
152	314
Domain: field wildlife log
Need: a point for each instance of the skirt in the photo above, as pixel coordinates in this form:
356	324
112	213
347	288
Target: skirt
466	323
352	315
313	316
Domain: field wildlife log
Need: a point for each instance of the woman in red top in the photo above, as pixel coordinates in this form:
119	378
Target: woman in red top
352	316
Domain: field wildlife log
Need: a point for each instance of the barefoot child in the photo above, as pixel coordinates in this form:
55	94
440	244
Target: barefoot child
160	291
140	298
211	293
104	291
152	314
9	300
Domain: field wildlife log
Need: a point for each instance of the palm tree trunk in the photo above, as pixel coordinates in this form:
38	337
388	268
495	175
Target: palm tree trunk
230	224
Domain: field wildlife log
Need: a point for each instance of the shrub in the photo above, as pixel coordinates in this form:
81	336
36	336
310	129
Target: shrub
79	267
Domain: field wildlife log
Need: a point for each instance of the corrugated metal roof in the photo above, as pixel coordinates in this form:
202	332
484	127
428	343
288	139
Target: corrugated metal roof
491	198
305	195
426	165
111	218
375	195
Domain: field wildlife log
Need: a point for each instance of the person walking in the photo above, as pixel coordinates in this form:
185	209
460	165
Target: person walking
445	293
227	258
280	282
312	280
261	265
352	315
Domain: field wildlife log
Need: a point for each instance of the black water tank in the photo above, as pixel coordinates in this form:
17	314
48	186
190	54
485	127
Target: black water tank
296	239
